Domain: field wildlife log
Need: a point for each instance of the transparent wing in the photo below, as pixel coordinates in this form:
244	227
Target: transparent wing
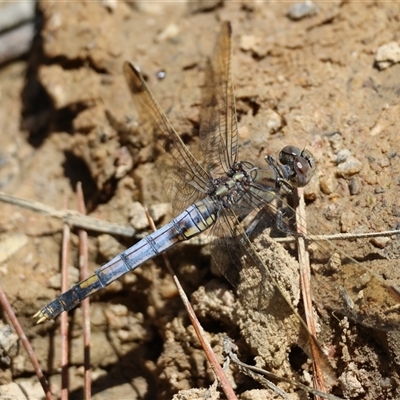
232	250
177	189
187	180
218	124
267	281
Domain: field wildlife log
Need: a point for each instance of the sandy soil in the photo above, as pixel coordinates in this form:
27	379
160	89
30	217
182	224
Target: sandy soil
317	82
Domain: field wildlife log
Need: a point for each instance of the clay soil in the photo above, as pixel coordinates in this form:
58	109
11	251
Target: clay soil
66	116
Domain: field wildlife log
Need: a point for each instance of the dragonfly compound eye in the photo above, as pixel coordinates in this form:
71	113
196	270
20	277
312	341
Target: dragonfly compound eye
288	154
304	170
302	163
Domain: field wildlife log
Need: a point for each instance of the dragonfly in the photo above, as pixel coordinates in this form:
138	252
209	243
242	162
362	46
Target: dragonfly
216	196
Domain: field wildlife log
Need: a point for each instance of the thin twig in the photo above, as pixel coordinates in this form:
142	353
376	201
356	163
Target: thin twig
203	240
219	372
395	293
64	317
70	217
84	270
230	350
28	348
305	277
339	236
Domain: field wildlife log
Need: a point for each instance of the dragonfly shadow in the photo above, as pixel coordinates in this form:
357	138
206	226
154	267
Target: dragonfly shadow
76	170
130	370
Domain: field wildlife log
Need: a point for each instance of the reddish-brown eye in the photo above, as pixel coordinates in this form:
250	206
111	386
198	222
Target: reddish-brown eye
302	162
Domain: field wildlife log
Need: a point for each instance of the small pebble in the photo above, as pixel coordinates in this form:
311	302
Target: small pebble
158	211
354	186
331	212
11	243
8	341
387	55
111	5
249	42
73	277
274	121
119	310
327	185
336	141
379	190
170	32
108	246
384	162
347	221
380	242
350	384
350	167
138	217
302	10
342	155
161	75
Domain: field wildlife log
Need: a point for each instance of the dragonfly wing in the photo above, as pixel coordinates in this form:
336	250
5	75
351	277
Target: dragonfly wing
266	279
218	124
177	189
186	180
235	256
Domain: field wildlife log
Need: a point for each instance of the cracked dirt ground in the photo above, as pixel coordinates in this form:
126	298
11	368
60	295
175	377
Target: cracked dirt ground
66	116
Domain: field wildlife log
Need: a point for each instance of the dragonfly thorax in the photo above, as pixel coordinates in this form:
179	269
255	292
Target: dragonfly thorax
230	188
257	185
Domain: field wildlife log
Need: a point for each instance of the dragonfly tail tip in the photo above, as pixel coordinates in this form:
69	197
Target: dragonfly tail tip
41	317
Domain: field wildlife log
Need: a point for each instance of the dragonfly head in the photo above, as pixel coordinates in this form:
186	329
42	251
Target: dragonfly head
299	165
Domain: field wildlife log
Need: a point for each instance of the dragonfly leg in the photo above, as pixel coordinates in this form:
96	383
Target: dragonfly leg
283	227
